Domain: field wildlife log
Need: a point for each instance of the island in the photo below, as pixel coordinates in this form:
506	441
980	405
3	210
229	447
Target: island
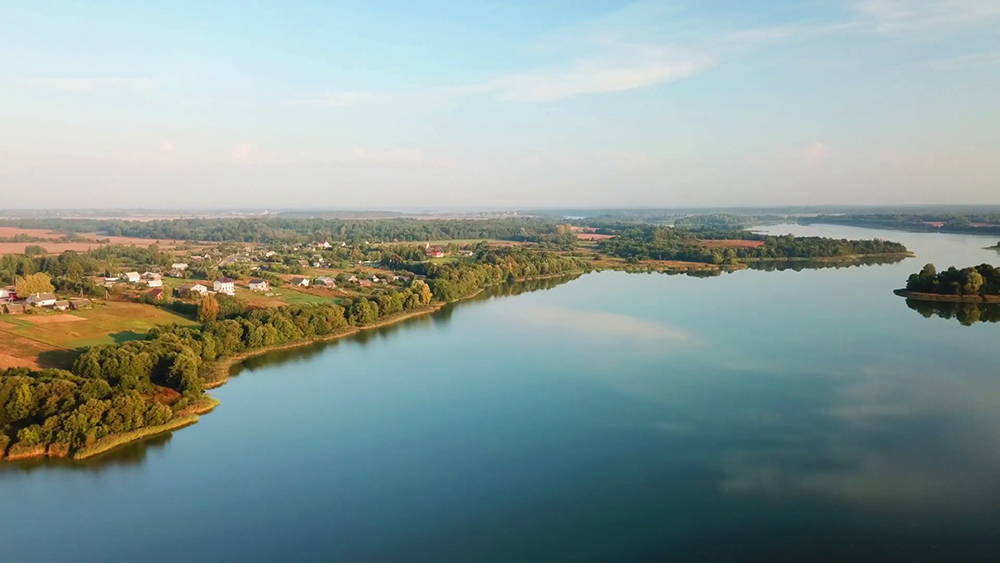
978	284
161	310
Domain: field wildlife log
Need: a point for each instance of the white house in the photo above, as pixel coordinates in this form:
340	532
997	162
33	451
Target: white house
326	280
5	293
131	277
42	299
225	285
301	282
179	266
258	285
270	253
155	282
192	288
324	245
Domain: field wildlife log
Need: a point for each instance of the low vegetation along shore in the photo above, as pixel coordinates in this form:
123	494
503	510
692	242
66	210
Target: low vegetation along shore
139	361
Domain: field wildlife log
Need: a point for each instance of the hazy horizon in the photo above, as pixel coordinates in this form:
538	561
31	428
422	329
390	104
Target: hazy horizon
499	105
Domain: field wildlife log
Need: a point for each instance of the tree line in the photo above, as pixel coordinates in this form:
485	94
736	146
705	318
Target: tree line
302	230
650	242
982	280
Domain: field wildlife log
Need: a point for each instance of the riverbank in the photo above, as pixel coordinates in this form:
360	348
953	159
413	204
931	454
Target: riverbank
184	417
951	298
845	259
217	374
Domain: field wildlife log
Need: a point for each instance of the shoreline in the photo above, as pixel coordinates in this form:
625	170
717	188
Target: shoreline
182	418
227	364
919	296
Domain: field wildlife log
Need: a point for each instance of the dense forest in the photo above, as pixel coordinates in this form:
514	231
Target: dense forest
982	280
297	230
647	242
490	266
982	223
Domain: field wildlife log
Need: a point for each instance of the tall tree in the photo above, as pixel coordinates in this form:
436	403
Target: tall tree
208	309
34	283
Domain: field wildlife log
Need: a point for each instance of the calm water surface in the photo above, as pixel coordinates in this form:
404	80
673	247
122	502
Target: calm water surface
751	416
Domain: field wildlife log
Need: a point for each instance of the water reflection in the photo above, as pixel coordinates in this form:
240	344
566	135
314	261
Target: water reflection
966	313
799	265
440	318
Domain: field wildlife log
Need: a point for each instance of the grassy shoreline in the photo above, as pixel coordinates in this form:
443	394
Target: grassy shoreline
919	296
185	417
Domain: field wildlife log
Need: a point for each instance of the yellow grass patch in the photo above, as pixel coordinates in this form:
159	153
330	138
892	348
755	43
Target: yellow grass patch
52	319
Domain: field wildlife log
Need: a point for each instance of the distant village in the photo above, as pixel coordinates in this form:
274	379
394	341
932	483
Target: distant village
151	287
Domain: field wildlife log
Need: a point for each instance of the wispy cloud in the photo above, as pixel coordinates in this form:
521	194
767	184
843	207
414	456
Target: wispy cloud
86	84
242	151
814	152
971	60
898	16
591	77
344	99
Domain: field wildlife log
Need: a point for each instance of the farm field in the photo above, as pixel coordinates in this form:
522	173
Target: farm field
106	323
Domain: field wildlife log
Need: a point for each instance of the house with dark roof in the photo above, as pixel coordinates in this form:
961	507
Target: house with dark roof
225	285
258	285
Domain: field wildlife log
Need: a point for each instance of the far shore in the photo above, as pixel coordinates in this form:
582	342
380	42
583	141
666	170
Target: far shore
919	296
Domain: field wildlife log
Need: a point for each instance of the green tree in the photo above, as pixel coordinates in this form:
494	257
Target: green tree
423	291
208	309
34	283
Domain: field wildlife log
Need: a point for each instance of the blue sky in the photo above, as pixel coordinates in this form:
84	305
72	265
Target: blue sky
499	104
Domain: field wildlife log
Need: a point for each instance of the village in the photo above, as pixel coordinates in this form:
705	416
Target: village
48	328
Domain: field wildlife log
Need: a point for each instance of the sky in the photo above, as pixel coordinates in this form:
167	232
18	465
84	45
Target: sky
465	104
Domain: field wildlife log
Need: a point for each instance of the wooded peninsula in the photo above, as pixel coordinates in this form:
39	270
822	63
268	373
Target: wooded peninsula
978	284
309	280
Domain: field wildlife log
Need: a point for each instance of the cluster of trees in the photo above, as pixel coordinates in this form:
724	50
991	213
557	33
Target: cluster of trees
303	230
60	411
647	242
980	280
454	280
921	222
70	271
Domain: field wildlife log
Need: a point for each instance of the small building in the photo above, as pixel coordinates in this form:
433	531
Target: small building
61	305
225	285
270	253
131	277
434	252
189	288
13	308
300	282
77	304
42	299
150	276
258	285
326	281
156	294
6	293
324	245
179	266
304	263
353	279
154	283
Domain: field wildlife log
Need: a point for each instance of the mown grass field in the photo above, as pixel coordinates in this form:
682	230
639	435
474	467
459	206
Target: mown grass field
105	323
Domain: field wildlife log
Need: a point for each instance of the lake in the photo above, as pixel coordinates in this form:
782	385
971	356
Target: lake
758	415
